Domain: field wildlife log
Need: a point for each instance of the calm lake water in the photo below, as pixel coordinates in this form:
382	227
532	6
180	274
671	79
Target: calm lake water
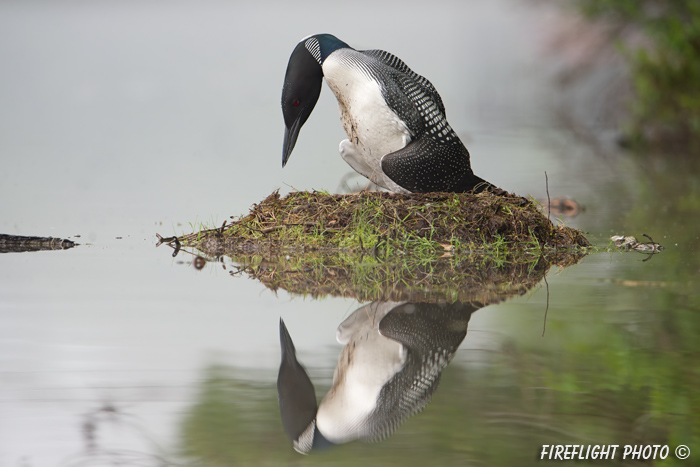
125	119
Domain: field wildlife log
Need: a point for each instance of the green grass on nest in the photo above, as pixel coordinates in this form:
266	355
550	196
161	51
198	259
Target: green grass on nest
383	246
421	224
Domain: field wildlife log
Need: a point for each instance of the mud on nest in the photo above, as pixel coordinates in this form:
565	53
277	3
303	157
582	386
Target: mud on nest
318	221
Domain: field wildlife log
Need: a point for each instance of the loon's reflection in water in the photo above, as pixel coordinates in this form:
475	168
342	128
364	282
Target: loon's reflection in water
388	370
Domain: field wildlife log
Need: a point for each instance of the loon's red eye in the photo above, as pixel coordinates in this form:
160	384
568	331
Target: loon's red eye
295	103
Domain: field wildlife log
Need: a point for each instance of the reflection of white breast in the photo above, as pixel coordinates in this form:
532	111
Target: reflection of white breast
371	125
367	363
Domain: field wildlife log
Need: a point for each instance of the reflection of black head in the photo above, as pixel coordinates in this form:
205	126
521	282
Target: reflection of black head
296	394
297	399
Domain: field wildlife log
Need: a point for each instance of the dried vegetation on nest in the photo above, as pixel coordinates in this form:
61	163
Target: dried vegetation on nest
416	223
383	246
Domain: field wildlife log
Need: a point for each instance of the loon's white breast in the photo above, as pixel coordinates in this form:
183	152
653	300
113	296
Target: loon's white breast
373	128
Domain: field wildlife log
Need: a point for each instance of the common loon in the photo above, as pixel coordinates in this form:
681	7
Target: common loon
390	366
398	136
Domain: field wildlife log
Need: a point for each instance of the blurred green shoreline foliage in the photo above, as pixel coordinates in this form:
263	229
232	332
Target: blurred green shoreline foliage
665	68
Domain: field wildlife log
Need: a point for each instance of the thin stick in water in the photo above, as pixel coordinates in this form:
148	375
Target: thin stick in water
546	310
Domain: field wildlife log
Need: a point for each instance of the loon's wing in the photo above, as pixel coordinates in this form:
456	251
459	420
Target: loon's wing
397	64
435	159
426	165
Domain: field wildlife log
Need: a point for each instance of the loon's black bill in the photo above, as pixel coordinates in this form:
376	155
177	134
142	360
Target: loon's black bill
290	139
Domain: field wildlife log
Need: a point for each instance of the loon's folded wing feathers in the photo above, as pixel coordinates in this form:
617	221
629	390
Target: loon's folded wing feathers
396	63
423	165
434	159
412	97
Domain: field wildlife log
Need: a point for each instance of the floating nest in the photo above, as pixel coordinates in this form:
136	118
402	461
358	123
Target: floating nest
365	221
382	246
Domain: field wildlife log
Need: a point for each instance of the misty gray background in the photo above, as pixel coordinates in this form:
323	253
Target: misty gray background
123	119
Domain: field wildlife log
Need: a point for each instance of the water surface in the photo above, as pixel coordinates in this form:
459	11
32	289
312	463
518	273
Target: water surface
120	121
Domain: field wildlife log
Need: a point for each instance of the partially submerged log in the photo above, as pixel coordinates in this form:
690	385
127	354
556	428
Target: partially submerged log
19	243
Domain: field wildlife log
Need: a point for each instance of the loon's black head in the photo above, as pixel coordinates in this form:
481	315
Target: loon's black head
302	84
